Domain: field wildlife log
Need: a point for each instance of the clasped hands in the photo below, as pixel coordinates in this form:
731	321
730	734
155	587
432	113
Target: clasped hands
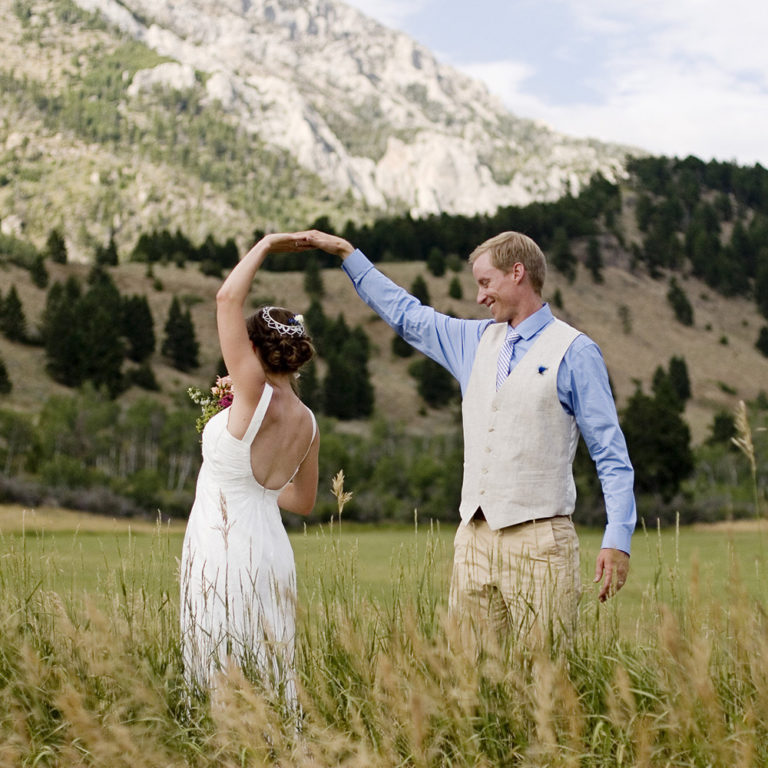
291	242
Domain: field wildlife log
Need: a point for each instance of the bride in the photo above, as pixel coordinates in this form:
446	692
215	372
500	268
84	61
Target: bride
259	455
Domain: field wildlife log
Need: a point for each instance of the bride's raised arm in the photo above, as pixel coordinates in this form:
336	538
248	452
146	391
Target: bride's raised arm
242	364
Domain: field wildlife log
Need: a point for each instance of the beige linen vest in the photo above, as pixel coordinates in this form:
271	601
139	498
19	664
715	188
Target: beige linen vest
519	443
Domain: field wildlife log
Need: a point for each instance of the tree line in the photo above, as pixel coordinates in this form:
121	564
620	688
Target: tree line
89	452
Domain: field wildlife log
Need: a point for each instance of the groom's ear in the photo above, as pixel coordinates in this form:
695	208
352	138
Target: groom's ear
518	272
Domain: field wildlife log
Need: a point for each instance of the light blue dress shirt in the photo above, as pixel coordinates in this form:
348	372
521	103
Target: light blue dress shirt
582	380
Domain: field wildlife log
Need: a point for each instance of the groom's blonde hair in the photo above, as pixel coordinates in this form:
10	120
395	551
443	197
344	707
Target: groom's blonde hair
508	248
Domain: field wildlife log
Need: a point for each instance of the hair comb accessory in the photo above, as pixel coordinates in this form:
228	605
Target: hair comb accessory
293	327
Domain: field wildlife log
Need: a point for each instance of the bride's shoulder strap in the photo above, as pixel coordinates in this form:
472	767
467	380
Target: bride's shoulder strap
314	432
258	414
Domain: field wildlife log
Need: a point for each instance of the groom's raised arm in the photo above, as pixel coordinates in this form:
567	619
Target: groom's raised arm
449	341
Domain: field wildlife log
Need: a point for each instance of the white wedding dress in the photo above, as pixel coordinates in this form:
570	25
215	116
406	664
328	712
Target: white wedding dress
238	579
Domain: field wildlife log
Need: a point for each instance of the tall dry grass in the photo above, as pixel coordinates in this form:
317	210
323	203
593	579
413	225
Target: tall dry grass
96	680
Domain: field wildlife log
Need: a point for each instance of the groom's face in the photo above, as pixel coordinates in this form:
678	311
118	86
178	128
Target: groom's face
496	289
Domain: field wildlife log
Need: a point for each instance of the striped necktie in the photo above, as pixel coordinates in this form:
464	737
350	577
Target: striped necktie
505	356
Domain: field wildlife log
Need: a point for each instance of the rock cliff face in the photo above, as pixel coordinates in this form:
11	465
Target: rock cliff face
364	108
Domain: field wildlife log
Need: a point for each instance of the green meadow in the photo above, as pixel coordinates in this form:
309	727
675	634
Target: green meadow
78	554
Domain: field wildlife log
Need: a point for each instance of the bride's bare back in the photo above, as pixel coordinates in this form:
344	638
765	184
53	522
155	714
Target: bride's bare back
283	441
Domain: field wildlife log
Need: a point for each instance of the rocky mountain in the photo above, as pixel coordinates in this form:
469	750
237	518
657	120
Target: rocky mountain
211	114
364	107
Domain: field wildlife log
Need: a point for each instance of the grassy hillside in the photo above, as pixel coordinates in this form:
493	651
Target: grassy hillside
628	315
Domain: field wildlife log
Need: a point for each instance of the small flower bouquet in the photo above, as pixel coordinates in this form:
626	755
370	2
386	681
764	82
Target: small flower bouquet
219	399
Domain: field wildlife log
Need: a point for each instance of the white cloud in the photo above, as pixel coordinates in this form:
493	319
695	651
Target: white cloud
682	77
676	78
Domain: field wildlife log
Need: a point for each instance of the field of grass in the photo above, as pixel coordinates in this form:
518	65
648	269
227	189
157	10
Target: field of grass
670	673
81	552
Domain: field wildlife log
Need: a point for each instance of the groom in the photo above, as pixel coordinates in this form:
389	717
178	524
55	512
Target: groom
530	383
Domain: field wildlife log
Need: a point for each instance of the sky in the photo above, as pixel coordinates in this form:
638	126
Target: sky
679	77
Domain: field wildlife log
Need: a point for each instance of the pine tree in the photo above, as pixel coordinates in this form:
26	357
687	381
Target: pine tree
142	376
433	382
563	259
107	256
761	287
13	323
102	334
56	247
228	254
436	261
454	288
659	443
180	344
309	386
722	429
82	333
356	351
595	260
419	290
762	341
679	378
400	347
313	278
38	272
347	388
643	211
62	335
5	382
679	302
138	328
664	390
316	323
674	384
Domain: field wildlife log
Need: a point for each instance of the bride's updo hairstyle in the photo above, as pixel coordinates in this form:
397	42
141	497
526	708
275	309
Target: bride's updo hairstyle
281	338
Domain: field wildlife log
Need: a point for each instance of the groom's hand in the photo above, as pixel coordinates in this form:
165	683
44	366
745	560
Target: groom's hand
285	242
313	238
612	566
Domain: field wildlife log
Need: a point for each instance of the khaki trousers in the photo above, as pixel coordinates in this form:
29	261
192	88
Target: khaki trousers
522	580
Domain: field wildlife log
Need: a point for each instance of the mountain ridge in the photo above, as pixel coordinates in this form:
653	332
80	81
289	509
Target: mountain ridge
226	120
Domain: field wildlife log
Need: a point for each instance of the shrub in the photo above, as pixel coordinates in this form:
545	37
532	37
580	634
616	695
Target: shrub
434	384
679	302
762	341
5	381
419	290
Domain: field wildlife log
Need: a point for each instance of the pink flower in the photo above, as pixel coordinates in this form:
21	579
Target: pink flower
222	391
